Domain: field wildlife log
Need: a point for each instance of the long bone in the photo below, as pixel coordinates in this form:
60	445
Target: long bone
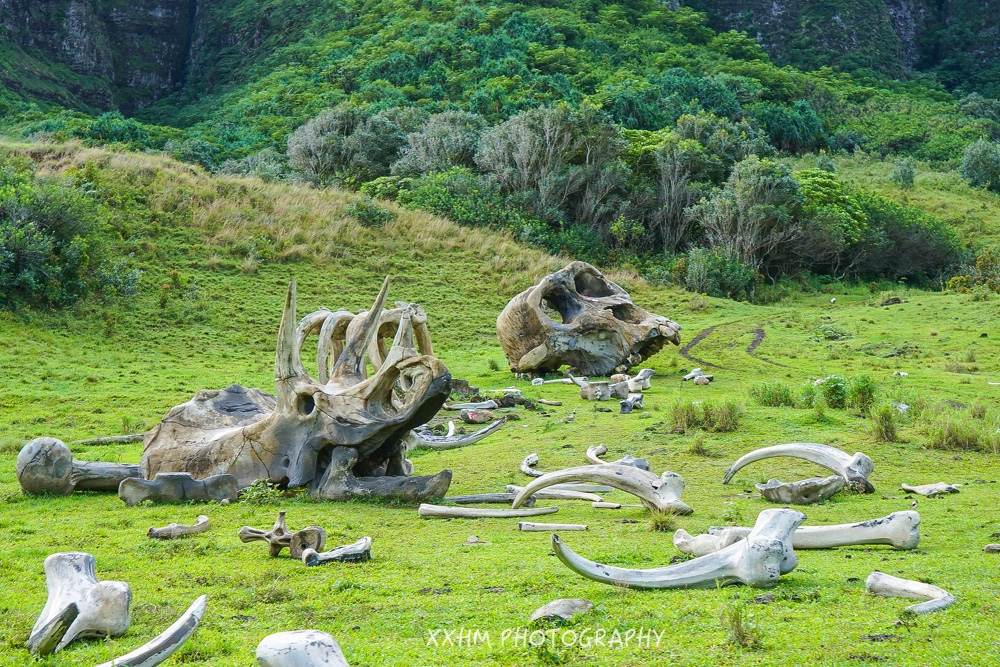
45	465
424	439
855	469
175	530
757	561
595	453
350	553
167	642
102	606
532	460
488	498
658	493
887	585
931	490
900	530
558	494
443	512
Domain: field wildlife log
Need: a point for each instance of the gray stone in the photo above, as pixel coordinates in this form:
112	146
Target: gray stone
300	648
562	609
804	492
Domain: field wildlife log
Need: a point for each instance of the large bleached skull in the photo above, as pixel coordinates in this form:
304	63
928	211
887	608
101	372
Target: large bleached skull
342	434
578	318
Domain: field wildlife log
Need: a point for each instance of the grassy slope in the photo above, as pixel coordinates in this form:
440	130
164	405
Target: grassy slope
105	367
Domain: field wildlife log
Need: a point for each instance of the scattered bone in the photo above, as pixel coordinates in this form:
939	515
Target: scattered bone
358	552
101	606
598	329
488	499
529	527
558	494
300	648
167	642
804	492
427	440
527	466
641	381
632	402
855	469
606	506
476	416
45	465
757	561
931	490
178	487
992	548
482	405
901	374
695	372
563	609
619	390
702	380
312	538
619	377
176	530
889	586
900	530
584	488
109	439
538	382
658	494
442	512
595	452
280	537
473	539
543	401
451	429
596	391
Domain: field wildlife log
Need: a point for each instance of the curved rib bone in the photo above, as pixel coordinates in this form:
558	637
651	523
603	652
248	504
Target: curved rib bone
442	512
889	586
757	561
658	494
900	530
166	643
102	606
855	469
175	530
594	453
559	494
351	553
444	442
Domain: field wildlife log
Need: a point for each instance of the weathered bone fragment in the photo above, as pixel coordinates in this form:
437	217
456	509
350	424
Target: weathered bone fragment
558	494
427	440
757	561
279	537
803	492
476	416
102	606
631	403
606	506
482	405
703	380
358	552
300	648
900	530
695	372
538	382
488	499
596	391
595	453
175	530
641	381
343	435
166	643
992	548
443	512
527	466
528	526
855	469
178	487
931	490
658	494
312	538
579	318
619	390
562	609
45	465
889	586
555	404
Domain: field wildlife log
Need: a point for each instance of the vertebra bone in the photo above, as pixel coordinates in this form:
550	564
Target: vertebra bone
889	586
855	469
280	537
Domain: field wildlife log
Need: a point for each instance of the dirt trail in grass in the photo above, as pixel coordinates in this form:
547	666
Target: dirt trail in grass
758	338
685	351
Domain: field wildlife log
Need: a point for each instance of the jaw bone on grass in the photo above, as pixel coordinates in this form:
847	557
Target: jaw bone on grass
426	440
855	469
887	585
757	561
658	493
900	530
166	643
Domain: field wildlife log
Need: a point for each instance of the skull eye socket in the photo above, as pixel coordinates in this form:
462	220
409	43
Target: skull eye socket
588	284
626	312
305	404
563	303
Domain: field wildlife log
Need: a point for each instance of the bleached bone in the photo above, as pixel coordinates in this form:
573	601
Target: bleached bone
558	494
803	492
596	391
527	463
620	377
442	512
532	460
488	498
703	380
658	494
641	381
482	405
102	606
992	548
695	372
606	506
889	586
176	530
280	537
178	487
167	642
855	469
351	553
427	440
595	453
300	648
931	490
562	610
757	561
900	530
577	380
529	527
619	389
632	402
555	404
45	465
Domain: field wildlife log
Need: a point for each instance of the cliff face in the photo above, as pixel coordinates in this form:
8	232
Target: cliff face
95	53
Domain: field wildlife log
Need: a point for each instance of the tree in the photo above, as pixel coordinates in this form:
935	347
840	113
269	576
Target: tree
981	165
446	140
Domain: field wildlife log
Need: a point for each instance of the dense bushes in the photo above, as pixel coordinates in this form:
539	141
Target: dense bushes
981	165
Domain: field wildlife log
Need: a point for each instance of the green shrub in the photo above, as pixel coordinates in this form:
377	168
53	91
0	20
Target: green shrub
981	165
722	417
883	422
772	394
861	392
684	416
808	394
369	213
903	173
834	391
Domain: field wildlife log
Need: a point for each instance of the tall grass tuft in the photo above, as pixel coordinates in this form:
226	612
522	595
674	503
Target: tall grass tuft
883	420
772	394
741	630
861	393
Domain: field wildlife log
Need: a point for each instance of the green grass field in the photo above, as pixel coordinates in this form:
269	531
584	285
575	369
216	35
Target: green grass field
105	368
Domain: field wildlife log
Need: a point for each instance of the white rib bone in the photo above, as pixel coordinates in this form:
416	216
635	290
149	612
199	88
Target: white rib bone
558	494
658	494
442	512
426	440
529	527
889	586
594	453
900	530
167	642
758	561
175	530
102	606
855	469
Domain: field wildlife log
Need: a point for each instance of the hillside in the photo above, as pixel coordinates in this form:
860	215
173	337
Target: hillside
115	364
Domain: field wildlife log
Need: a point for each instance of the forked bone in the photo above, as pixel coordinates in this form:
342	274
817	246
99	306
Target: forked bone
658	494
855	469
176	530
887	585
757	561
443	512
595	453
166	643
45	465
351	553
300	648
102	606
